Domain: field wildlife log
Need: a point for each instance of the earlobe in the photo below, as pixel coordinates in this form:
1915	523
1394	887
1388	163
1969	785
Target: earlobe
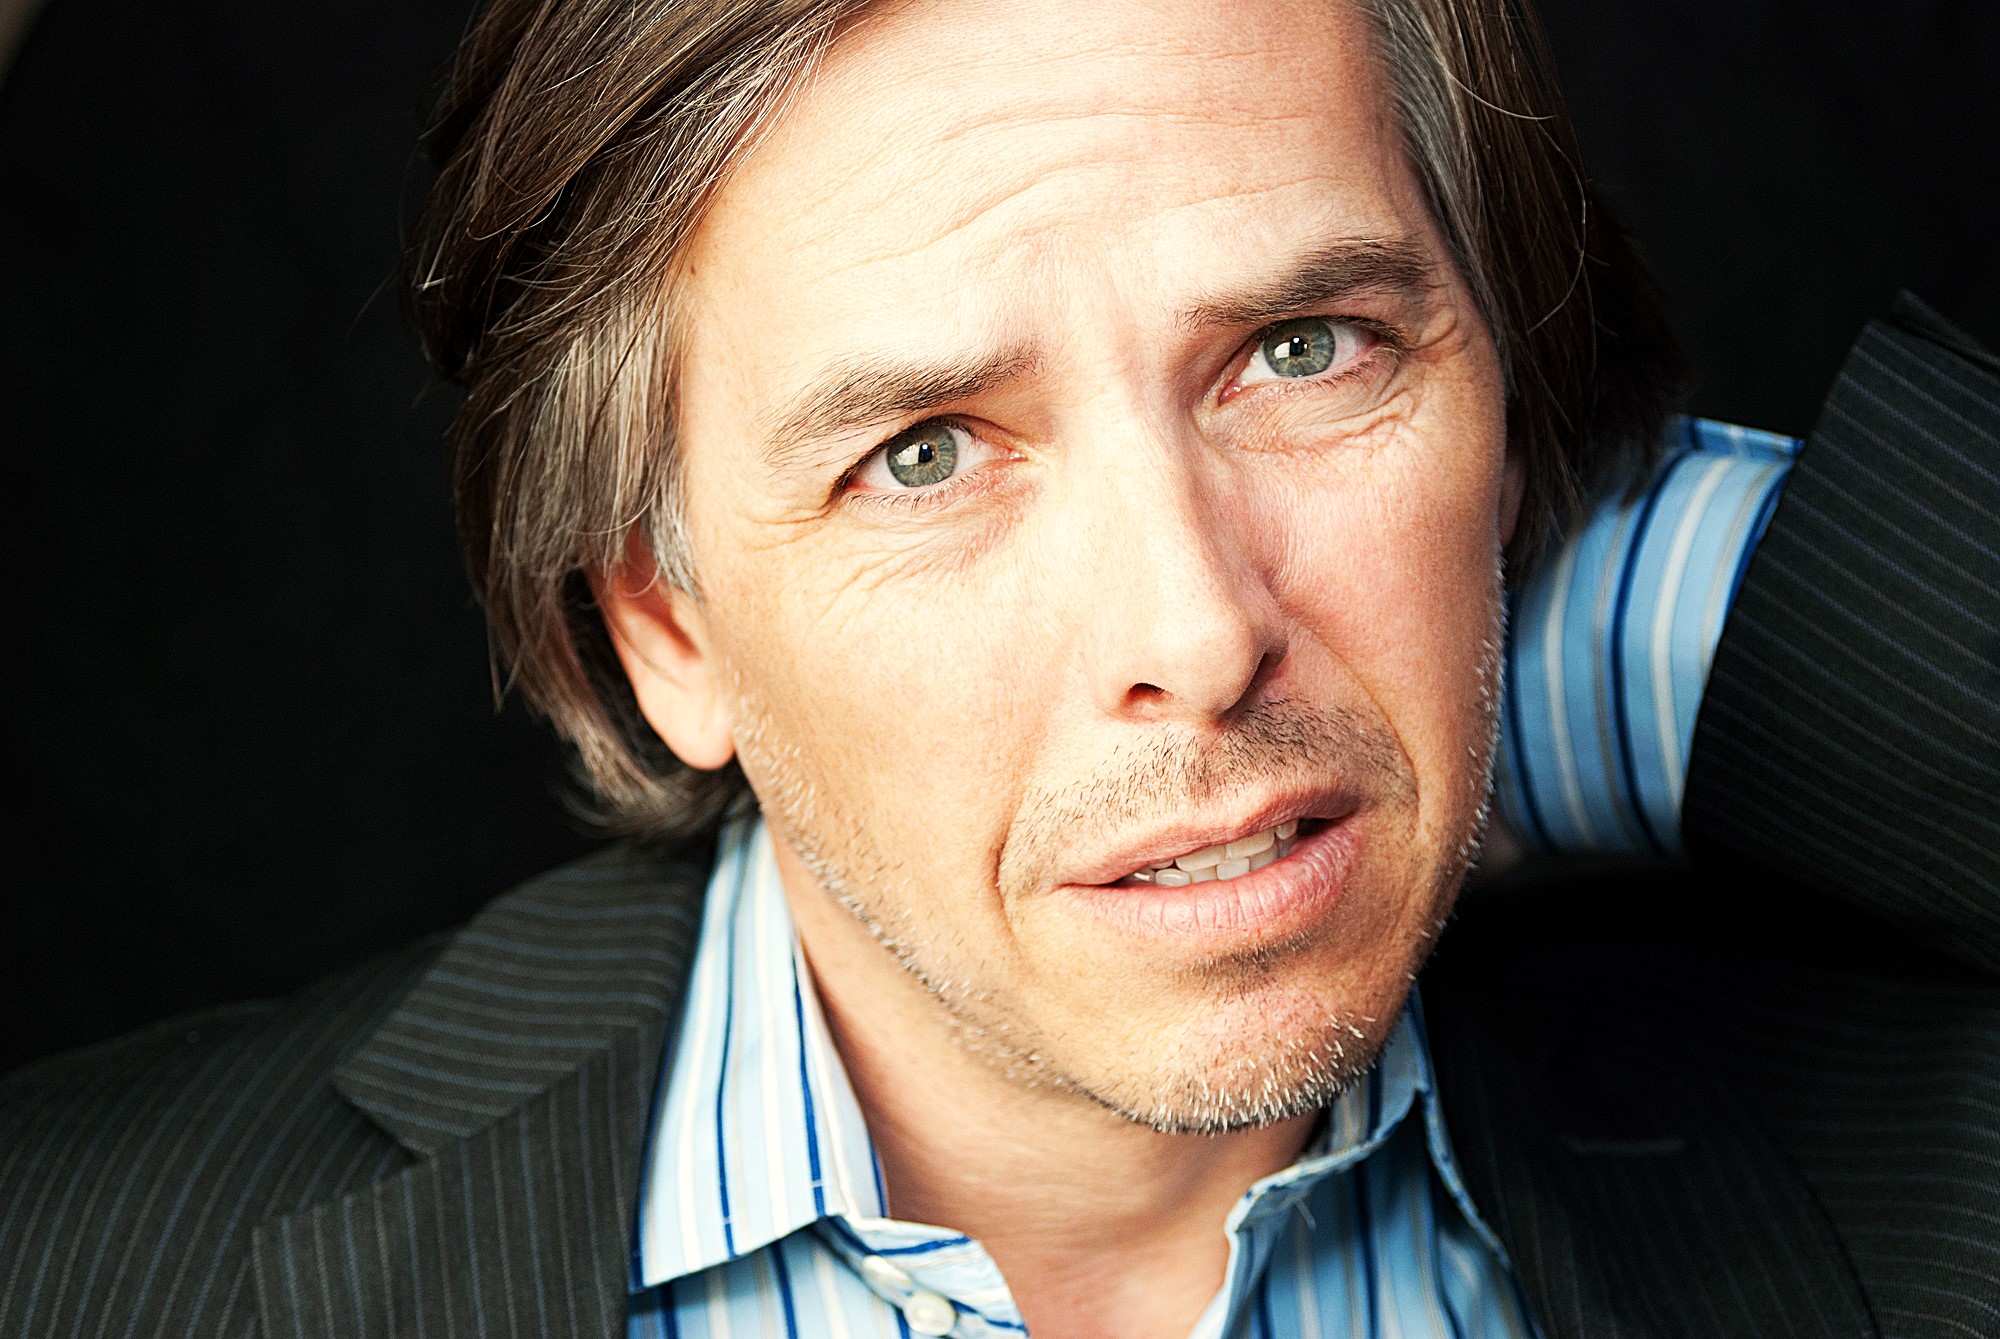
661	637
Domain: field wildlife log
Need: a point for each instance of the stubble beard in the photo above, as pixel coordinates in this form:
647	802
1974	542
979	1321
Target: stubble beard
1303	1071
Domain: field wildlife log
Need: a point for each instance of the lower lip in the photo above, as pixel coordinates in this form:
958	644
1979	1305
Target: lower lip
1282	898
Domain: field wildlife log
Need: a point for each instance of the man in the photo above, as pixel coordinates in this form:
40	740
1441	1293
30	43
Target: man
1064	459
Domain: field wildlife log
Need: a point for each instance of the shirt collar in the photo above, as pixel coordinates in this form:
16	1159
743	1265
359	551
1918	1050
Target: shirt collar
756	1132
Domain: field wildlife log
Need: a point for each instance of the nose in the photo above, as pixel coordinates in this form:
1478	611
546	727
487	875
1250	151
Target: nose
1183	623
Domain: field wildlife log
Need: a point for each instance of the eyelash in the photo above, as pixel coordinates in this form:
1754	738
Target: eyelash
1389	341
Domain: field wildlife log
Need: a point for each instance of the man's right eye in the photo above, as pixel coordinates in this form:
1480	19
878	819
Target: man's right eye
921	458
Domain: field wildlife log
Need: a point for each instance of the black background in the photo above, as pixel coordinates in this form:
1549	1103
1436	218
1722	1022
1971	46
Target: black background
248	725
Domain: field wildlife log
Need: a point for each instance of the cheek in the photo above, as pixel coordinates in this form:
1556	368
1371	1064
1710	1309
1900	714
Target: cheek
906	702
1392	570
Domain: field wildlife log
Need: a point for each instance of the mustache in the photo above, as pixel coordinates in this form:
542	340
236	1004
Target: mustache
1273	740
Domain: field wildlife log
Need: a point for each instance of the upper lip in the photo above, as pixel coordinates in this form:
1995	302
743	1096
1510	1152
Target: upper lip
1162	844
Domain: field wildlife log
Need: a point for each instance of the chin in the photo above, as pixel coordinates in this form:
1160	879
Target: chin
1256	1060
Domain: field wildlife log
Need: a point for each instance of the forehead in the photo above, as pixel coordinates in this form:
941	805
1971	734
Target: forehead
953	161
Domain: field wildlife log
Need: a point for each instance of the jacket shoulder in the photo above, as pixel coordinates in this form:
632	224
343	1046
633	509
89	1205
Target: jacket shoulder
132	1172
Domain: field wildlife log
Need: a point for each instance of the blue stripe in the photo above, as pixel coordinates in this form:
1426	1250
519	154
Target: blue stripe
1531	808
1621	709
1364	1240
847	1234
919	1248
722	1070
806	1090
784	1279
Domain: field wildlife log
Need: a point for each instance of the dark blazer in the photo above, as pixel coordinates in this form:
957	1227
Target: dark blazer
1711	1101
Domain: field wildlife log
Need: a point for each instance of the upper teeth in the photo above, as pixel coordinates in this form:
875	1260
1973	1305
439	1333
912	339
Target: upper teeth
1224	860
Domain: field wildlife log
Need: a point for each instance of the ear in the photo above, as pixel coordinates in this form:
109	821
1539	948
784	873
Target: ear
661	635
1513	487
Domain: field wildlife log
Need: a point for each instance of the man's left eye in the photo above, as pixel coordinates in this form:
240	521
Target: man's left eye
1292	350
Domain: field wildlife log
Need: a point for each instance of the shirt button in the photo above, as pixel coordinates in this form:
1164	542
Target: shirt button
929	1313
884	1274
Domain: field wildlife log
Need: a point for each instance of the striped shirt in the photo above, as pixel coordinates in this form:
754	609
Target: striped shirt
762	1212
1611	644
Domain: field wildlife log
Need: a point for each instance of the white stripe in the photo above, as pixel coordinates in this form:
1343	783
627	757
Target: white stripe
770	1294
1423	1248
1625	540
1552	668
830	1300
699	1034
1665	719
781	1100
844	1194
1307	1280
1717	604
1388	1316
716	1313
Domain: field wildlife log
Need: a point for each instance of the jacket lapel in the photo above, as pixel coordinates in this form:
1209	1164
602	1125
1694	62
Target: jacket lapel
1637	1194
518	1076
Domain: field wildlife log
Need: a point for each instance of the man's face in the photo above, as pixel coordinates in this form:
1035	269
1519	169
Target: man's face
1092	457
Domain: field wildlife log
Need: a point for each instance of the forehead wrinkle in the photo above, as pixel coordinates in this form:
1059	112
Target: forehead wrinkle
1033	233
1169	105
1075	150
882	174
933	158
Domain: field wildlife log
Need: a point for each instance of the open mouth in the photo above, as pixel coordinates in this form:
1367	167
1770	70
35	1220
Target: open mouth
1225	860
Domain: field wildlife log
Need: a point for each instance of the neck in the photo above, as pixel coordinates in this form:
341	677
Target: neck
1099	1225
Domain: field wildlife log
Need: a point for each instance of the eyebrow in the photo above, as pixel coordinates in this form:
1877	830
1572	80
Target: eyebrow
876	390
855	394
1331	272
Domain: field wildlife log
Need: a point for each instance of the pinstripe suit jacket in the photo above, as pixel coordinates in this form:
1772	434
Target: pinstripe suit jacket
1714	1102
